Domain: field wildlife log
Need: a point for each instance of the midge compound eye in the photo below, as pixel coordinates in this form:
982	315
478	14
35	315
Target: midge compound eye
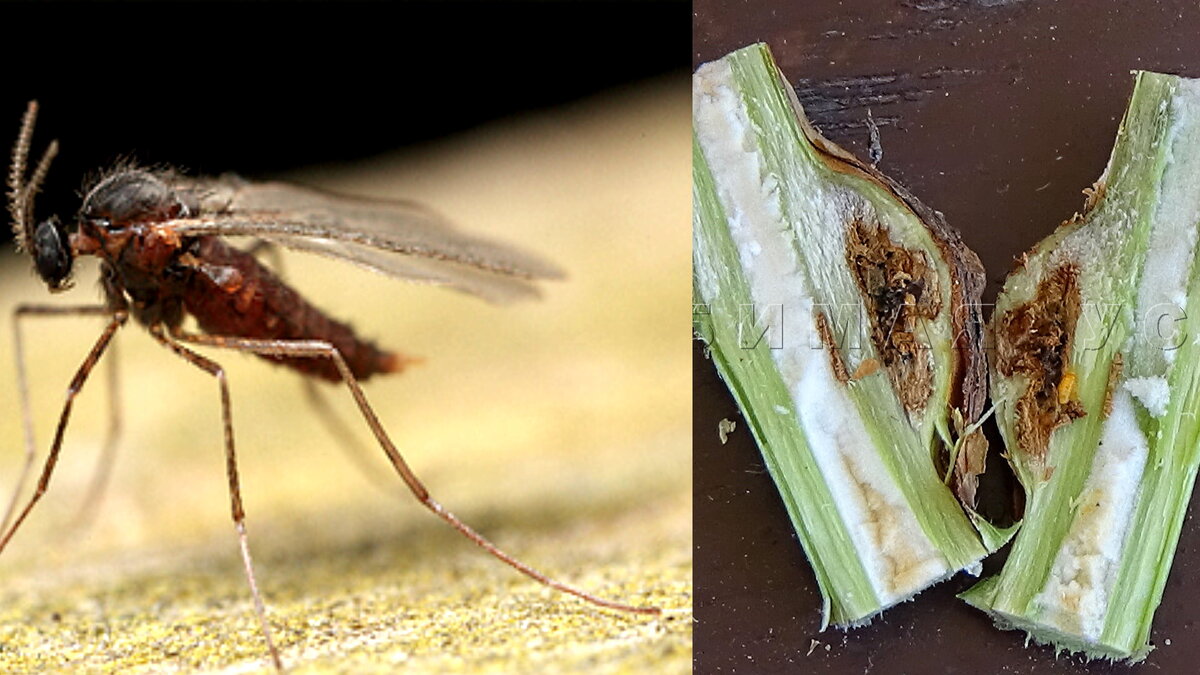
52	256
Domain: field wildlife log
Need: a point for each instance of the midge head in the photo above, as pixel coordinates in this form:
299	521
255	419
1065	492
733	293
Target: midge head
47	242
126	196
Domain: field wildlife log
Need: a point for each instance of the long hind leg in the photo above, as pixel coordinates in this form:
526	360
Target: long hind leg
89	508
321	349
19	314
344	438
81	375
231	469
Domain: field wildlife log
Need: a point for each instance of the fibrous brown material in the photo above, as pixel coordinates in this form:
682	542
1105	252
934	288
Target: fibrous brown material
1114	377
899	288
1035	340
831	345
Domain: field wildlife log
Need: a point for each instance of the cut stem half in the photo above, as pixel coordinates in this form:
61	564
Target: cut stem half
1095	378
844	317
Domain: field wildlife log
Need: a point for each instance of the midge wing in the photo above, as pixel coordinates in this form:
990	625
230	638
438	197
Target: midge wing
401	239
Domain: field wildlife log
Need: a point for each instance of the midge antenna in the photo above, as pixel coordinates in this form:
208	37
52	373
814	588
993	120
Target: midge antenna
47	242
21	193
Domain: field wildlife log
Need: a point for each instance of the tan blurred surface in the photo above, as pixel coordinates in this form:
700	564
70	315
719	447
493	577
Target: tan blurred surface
559	428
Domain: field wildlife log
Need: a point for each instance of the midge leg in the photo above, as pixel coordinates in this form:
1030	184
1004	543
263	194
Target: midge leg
266	250
270	252
90	506
321	349
235	492
340	431
25	311
118	319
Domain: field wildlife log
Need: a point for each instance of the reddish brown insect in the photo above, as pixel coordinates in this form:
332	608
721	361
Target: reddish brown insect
159	234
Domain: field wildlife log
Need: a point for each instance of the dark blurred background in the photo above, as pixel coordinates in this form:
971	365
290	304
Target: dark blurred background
260	87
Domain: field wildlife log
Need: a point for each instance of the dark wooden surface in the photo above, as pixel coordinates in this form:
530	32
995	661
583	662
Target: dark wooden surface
996	112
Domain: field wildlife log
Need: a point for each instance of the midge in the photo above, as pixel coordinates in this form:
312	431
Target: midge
158	235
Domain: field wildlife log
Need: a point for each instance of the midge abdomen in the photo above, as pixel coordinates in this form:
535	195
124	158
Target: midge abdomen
231	294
